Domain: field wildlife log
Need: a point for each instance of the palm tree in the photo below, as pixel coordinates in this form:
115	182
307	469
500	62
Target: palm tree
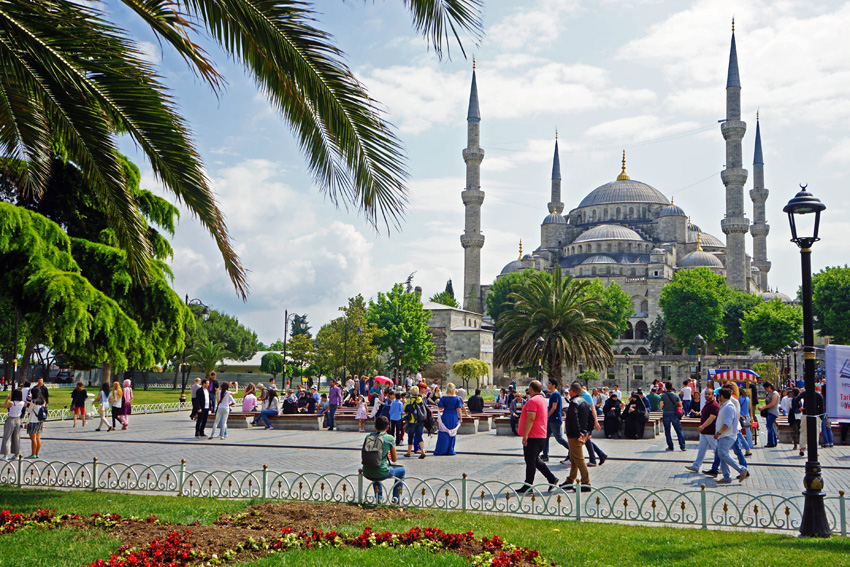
571	322
71	81
206	355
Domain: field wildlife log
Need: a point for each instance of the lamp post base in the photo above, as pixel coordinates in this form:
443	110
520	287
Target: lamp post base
814	522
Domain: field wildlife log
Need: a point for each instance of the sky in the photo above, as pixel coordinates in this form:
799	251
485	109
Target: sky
644	76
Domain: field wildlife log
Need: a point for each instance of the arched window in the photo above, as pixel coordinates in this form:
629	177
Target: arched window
644	306
631	212
579	248
605	214
593	215
629	334
593	271
641	330
609	247
618	213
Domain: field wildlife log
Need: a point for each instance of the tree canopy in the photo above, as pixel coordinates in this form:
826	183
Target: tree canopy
348	341
693	305
271	363
831	303
238	340
498	300
400	315
617	303
660	341
772	325
470	368
73	76
445	298
207	355
738	303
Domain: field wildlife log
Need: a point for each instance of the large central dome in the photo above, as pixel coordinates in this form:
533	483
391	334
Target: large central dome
624	191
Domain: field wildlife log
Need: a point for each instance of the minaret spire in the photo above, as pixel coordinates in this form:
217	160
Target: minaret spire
735	226
556	207
759	228
472	240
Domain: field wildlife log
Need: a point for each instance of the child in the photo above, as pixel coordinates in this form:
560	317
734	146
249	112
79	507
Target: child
78	402
361	414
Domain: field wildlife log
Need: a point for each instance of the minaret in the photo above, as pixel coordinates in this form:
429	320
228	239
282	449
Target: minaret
759	228
472	240
556	207
735	226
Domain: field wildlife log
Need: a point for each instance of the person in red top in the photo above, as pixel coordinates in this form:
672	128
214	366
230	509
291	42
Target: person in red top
532	426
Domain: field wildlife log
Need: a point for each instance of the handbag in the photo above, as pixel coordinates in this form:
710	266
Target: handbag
764	412
680	412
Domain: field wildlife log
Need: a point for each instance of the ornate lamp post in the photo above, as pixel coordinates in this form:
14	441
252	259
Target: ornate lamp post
205	314
699	342
540	343
628	370
794	346
814	522
286	317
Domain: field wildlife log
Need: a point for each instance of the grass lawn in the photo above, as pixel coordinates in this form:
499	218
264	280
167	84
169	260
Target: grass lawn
564	542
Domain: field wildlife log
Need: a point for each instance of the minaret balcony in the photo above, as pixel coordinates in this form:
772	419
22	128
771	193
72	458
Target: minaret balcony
733	129
759	195
472	240
734	176
759	229
738	225
473	155
762	265
472	196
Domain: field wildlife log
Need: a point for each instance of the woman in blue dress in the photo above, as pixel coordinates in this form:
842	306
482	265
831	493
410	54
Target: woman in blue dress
449	421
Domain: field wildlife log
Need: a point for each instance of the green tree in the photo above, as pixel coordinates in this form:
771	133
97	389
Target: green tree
498	300
767	371
470	368
444	298
573	324
301	327
400	315
659	339
348	341
618	305
238	340
831	303
271	363
207	355
300	350
771	325
586	376
450	289
693	305
738	303
73	76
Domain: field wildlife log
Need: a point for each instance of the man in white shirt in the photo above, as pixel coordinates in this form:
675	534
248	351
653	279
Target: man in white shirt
726	435
686	396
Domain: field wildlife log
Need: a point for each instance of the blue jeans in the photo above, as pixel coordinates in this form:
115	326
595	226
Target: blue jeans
771	430
748	431
220	421
265	415
726	460
686	405
736	448
826	431
670	418
593	450
553	429
414	435
331	414
706	442
395	472
742	441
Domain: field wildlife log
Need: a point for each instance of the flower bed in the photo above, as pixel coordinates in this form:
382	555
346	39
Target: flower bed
183	546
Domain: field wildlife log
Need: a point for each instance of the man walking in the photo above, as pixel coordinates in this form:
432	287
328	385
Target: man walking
554	420
532	424
578	418
203	408
669	402
334	401
772	407
707	429
726	436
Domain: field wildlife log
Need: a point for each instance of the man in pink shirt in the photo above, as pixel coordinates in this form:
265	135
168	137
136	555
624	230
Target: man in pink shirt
532	426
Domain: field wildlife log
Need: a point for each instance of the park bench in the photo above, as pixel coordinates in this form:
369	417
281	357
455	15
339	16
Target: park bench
292	422
503	426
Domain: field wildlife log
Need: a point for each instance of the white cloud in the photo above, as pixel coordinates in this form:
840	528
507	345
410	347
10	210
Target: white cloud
150	52
533	28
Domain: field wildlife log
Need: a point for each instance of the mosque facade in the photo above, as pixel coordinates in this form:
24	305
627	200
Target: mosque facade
627	231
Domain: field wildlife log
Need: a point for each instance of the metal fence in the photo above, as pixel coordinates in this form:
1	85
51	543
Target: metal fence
699	508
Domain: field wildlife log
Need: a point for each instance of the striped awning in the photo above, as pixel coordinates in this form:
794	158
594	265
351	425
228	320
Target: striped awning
734	375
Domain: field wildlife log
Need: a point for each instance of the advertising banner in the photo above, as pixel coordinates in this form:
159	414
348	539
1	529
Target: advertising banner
838	381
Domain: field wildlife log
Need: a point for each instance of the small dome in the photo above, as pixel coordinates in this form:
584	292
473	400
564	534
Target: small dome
624	191
694	228
554	219
771	295
707	239
515	266
672	211
608	232
700	259
600	259
658	251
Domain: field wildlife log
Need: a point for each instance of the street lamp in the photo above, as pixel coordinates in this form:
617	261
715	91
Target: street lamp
205	315
400	344
286	317
814	522
794	346
628	370
699	342
540	343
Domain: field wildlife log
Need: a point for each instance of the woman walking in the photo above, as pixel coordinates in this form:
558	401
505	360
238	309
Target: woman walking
116	399
103	398
78	402
448	421
12	427
35	425
224	402
126	409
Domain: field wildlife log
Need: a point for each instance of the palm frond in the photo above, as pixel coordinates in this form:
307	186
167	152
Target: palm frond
439	20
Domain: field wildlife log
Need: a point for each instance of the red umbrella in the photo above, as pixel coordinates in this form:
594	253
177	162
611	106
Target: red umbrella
383	380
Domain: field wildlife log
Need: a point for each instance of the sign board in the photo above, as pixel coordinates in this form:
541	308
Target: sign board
838	381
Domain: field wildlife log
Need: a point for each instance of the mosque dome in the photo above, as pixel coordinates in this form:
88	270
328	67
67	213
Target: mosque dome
693	227
771	295
658	251
672	211
554	219
608	232
515	266
700	259
600	259
624	191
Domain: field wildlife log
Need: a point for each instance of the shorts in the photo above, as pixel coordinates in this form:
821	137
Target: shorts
80	410
34	427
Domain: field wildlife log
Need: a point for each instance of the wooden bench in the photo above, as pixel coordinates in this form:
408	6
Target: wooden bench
291	422
503	426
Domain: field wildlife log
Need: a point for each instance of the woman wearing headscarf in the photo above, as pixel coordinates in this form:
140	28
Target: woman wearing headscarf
126	409
635	416
611	410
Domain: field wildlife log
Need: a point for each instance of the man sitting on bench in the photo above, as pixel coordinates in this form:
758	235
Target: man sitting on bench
378	458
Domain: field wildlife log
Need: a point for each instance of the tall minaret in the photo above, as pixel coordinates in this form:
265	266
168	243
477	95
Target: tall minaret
556	207
759	228
472	240
735	226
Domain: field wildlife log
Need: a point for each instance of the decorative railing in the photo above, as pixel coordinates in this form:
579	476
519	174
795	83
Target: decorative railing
65	413
699	508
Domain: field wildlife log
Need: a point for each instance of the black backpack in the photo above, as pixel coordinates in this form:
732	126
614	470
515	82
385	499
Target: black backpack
420	412
430	422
